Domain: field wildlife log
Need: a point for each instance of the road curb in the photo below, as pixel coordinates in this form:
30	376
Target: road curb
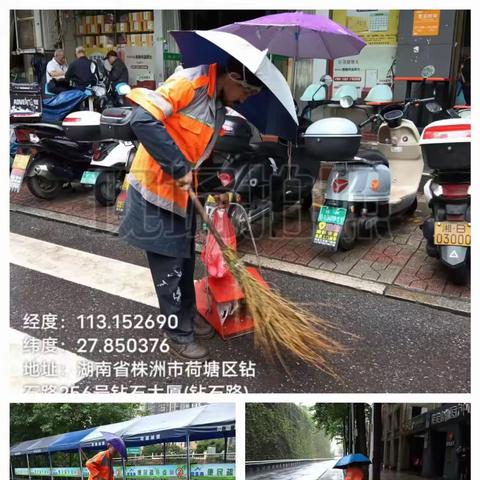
450	304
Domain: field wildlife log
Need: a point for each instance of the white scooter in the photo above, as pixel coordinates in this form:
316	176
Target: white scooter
110	160
365	188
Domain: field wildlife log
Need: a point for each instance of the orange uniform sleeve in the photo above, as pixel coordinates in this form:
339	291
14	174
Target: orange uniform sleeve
93	466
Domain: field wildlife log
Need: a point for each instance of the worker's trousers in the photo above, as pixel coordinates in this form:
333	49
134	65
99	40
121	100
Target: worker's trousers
173	279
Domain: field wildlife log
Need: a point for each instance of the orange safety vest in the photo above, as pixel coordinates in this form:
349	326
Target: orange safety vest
188	107
354	473
100	466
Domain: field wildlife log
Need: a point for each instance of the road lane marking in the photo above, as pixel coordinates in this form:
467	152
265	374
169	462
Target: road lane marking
94	271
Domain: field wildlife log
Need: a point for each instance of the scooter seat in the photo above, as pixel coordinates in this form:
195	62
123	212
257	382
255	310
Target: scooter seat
373	156
269	148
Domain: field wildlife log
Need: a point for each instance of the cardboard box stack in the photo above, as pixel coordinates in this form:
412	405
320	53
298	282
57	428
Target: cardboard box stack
135	29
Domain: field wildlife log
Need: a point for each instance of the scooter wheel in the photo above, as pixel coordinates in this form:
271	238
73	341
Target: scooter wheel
412	208
349	234
44	188
107	188
306	202
460	276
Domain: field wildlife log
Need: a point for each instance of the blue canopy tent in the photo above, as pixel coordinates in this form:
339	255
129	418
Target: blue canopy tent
216	420
200	423
41	446
70	442
21	449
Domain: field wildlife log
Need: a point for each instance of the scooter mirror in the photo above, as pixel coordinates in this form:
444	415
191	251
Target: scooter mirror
346	102
326	79
433	107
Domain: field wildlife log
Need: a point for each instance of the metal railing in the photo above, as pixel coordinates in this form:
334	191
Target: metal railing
254	466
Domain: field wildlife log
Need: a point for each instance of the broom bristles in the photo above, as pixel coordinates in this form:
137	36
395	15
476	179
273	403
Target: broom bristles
280	325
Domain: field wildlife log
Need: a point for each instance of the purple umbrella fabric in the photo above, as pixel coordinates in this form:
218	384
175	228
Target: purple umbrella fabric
298	35
116	442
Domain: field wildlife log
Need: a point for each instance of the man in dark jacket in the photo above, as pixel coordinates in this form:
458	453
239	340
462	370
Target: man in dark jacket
119	72
82	71
177	126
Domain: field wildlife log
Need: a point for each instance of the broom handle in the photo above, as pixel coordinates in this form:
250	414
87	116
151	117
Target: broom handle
198	206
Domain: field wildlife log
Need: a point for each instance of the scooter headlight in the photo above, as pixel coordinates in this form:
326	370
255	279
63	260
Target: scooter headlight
468	190
34	138
437	189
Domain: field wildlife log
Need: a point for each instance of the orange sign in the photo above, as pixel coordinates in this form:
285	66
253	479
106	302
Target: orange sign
426	23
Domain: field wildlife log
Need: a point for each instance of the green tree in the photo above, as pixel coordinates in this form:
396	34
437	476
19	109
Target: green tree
157	449
218	443
35	420
334	419
282	430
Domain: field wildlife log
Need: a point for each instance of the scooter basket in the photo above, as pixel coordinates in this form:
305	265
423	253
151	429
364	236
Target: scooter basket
115	124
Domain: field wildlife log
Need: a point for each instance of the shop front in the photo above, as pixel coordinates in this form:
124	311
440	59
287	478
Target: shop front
438	442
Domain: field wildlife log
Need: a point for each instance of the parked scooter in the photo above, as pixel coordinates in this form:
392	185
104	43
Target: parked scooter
365	188
446	149
266	177
113	153
49	158
112	158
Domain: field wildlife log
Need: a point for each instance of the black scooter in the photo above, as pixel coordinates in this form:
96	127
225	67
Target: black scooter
49	158
446	150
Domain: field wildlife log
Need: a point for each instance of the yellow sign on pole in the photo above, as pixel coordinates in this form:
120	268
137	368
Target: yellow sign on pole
426	23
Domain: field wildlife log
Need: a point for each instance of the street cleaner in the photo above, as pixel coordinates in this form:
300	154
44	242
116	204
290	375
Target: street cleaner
177	126
354	466
100	467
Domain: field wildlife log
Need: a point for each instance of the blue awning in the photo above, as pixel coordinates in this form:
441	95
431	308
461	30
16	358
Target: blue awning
41	446
95	438
21	448
69	442
216	420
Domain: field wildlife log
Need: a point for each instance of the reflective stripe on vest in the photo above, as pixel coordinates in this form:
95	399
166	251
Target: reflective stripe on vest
186	104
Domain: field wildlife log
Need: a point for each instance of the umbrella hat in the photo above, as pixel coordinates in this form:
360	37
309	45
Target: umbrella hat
347	460
272	110
298	35
116	442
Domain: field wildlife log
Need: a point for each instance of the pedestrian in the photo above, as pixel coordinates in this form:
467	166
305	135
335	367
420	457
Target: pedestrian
55	73
177	126
100	467
119	71
82	72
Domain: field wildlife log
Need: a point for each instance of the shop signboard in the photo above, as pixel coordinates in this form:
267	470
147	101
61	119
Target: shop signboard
426	23
139	61
449	413
211	471
373	65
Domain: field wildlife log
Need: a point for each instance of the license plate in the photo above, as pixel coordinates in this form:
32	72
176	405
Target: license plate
89	177
453	233
329	226
122	196
19	167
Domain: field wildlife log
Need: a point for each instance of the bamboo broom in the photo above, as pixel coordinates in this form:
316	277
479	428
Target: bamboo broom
281	327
